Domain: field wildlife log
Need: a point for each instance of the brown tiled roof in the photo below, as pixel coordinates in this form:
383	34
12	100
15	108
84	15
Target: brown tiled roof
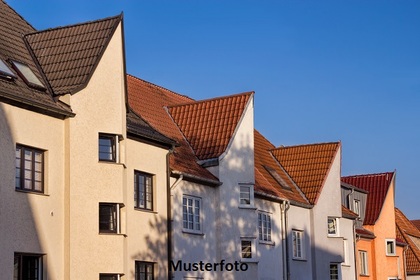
69	55
416	223
365	233
410	234
12	47
209	125
149	101
264	181
347	213
377	185
308	165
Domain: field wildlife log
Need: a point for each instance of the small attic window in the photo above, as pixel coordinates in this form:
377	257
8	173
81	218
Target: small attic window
28	75
277	177
5	71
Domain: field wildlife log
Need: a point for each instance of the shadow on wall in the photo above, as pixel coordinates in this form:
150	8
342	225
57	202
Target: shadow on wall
21	233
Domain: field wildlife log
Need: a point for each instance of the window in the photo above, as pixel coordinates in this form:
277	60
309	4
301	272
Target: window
363	263
246	249
346	251
390	247
5	71
108	276
29	169
297	238
356	207
191	208
264	227
245	195
144	271
334	272
107	147
109	218
143	191
27	75
332	226
27	267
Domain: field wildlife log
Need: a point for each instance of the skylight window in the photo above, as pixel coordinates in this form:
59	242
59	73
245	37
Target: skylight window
5	71
27	75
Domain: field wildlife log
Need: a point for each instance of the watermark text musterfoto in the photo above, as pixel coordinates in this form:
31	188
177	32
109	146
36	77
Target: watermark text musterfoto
208	266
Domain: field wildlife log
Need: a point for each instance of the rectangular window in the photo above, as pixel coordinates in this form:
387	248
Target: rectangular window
29	169
109	276
109	218
28	75
264	227
107	147
334	273
332	226
245	195
346	252
246	249
356	207
144	271
5	71
390	247
363	263
297	237
27	267
191	208
143	190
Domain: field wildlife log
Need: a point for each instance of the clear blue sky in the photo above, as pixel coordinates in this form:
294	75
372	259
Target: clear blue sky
322	70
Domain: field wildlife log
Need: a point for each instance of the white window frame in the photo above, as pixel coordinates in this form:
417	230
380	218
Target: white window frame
298	244
251	241
117	210
356	207
190	215
264	227
242	198
390	241
338	271
364	263
336	222
346	261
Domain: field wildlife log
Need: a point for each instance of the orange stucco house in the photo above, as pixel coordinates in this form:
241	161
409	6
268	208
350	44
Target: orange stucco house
380	254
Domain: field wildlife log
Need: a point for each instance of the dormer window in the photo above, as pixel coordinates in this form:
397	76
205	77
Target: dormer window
5	71
28	75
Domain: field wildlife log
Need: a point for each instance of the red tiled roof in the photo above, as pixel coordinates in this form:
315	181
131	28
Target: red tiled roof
209	125
69	55
12	47
347	213
264	181
410	234
377	185
308	165
149	101
416	223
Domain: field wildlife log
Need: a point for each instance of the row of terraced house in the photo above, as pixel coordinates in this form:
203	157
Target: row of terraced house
106	176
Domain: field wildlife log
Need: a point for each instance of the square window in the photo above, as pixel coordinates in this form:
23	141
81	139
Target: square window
29	169
246	249
332	226
363	263
143	190
297	239
107	147
109	218
264	227
144	271
390	247
27	266
191	208
334	272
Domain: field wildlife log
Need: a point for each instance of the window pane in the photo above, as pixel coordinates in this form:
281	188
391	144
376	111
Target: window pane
246	249
107	147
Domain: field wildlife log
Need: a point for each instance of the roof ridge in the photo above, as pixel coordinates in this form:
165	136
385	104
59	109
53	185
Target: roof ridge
370	174
310	144
265	138
120	16
212	99
161	87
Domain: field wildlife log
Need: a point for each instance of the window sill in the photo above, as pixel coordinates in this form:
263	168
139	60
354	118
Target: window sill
192	232
248	207
346	264
32	192
145	210
249	260
114	234
270	243
299	259
334	236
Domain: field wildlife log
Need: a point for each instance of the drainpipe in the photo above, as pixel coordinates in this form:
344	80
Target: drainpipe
169	212
284	206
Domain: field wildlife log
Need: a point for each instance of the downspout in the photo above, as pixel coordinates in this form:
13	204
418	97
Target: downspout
169	212
284	206
356	276
405	261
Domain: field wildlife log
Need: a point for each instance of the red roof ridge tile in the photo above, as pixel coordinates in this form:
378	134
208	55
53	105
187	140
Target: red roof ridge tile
310	144
160	87
211	99
369	174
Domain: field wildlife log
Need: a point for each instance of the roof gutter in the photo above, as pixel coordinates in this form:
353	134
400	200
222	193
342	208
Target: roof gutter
194	178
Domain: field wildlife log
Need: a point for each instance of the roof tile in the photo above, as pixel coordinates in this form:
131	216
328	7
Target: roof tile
377	185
